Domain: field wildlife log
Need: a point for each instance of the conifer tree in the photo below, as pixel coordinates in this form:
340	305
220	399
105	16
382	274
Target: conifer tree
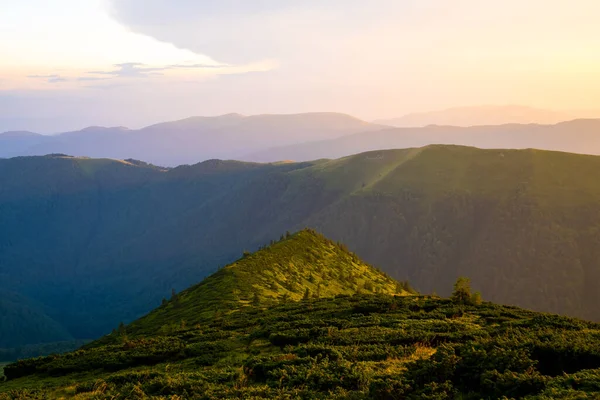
306	294
121	329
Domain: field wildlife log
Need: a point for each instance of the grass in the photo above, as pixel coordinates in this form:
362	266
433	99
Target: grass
359	347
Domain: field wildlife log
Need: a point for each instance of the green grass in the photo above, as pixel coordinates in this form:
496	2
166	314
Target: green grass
359	347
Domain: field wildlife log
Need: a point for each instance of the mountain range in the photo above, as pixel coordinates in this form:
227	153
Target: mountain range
577	136
299	137
187	141
483	115
88	243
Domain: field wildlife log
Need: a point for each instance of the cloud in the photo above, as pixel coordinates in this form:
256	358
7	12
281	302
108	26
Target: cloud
200	66
140	70
128	70
49	78
91	78
240	31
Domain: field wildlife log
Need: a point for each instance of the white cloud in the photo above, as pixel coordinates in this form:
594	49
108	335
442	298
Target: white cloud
68	38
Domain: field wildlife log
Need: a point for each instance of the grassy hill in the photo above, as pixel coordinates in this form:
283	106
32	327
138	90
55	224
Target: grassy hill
349	347
247	331
302	265
100	242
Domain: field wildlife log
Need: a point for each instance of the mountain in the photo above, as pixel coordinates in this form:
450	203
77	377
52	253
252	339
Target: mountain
481	115
298	137
299	265
368	346
23	322
99	241
26	330
194	139
18	142
578	136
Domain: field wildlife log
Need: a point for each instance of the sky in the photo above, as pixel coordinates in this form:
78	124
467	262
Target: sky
66	64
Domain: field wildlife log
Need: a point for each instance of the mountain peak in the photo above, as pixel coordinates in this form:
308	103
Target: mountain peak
104	128
305	264
18	134
232	116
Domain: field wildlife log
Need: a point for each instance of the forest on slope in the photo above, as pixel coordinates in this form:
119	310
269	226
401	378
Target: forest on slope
100	241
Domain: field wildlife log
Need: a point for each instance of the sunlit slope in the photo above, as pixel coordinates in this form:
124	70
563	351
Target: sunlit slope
302	265
523	224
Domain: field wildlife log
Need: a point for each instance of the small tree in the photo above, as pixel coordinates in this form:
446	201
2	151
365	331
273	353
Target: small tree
476	299
174	297
462	291
121	329
306	294
255	300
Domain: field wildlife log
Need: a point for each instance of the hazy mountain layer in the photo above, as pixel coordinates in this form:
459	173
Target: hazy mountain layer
578	136
190	140
482	115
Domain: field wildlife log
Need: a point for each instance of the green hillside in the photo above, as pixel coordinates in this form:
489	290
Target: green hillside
349	347
522	224
98	242
245	333
302	265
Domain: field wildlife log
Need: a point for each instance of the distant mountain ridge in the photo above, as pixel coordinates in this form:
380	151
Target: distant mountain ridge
190	140
577	136
481	115
300	137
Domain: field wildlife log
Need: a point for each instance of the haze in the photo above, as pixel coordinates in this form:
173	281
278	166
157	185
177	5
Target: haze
67	64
